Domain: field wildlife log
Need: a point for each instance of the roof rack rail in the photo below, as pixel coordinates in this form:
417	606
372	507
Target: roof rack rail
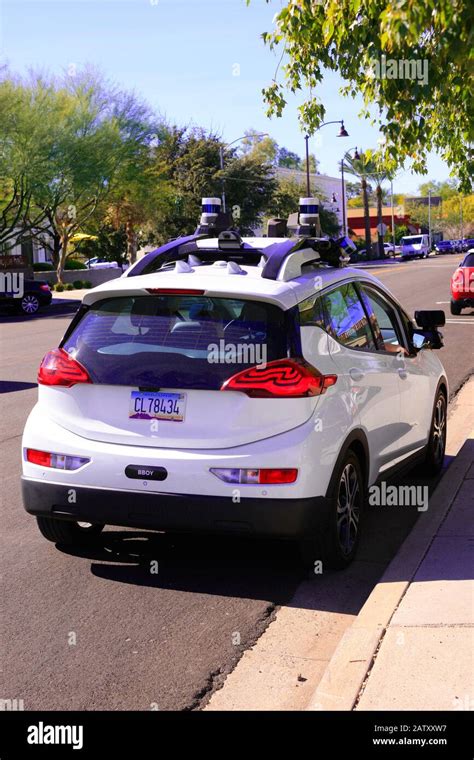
285	260
166	253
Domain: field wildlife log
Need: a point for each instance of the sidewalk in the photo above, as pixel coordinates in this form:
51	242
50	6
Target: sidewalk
411	646
68	295
375	263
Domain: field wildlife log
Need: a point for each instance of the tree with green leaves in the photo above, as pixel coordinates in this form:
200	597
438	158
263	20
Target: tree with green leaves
444	189
99	133
353	190
412	60
190	161
287	159
27	122
454	217
362	168
108	242
261	147
378	173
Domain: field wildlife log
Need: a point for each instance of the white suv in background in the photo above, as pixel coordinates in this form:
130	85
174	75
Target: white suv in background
228	385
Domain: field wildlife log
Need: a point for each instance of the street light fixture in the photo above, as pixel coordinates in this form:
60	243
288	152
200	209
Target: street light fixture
356	157
342	133
221	157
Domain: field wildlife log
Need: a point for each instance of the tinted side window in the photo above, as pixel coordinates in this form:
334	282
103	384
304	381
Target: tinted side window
312	312
383	320
347	319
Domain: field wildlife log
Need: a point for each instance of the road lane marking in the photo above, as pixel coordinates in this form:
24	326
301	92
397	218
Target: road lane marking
439	302
460	322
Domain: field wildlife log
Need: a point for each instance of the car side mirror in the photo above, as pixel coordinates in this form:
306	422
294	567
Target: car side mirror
429	319
427	339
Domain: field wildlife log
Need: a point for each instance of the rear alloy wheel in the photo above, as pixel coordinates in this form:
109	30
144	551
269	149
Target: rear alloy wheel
455	307
66	532
437	440
29	304
337	544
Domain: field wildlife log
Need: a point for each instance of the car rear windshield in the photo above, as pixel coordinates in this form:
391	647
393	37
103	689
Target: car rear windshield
411	240
177	341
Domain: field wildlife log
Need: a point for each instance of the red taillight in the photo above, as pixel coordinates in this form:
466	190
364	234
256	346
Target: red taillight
43	458
175	291
283	378
286	475
58	461
45	286
58	368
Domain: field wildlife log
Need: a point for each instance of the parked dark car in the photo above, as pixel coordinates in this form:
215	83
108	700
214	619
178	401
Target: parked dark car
445	246
27	296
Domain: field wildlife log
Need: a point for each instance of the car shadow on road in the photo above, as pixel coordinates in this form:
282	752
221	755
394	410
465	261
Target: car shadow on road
253	568
12	386
52	312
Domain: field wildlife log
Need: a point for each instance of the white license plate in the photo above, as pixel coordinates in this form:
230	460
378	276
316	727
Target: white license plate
157	406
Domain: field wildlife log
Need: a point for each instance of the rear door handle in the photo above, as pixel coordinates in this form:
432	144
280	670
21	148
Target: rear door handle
356	373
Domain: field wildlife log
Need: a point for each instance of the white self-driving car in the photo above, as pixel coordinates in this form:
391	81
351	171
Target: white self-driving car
228	385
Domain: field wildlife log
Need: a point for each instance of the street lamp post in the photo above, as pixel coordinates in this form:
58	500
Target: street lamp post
342	133
429	219
308	188
221	161
393	216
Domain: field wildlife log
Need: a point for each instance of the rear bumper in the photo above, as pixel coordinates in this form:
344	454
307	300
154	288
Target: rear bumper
463	299
285	518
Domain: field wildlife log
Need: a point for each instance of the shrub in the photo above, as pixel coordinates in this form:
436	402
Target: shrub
43	266
58	287
77	284
68	286
87	284
74	264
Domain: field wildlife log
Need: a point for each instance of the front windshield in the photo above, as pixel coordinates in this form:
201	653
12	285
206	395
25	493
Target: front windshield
411	240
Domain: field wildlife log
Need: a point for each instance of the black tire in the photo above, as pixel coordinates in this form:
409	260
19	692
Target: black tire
337	542
433	463
29	304
66	532
455	308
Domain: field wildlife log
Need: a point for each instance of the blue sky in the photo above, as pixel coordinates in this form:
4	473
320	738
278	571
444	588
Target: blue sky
194	61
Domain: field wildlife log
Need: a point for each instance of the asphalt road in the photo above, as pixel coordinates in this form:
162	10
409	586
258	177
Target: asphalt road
424	284
96	630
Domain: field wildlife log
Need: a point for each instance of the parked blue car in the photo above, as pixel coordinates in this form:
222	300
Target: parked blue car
445	246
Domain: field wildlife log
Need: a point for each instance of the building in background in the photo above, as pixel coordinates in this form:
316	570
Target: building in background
356	221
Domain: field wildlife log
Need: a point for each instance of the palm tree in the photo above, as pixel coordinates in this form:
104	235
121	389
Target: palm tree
376	174
361	167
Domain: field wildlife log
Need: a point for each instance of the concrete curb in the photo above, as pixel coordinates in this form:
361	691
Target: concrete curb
376	263
347	670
